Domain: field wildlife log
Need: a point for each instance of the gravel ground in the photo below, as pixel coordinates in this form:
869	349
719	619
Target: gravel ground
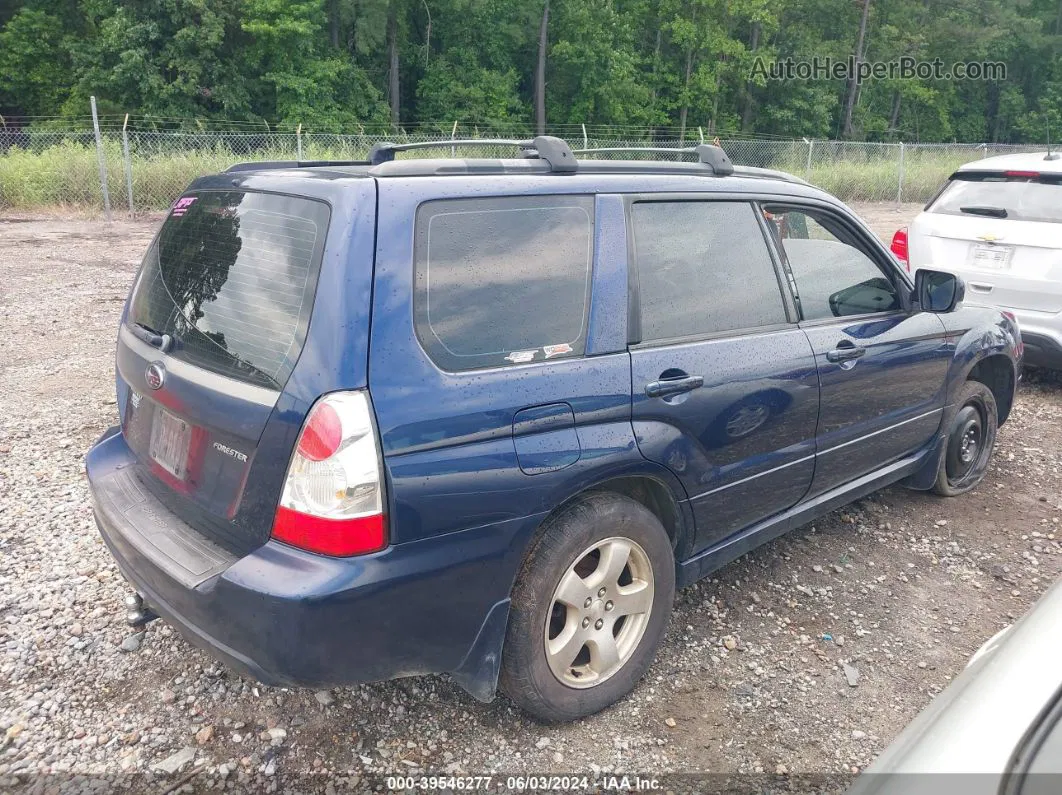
897	590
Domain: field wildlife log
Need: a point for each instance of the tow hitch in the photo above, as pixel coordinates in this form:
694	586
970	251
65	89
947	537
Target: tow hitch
138	613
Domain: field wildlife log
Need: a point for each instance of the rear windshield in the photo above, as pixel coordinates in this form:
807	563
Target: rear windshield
231	278
1002	195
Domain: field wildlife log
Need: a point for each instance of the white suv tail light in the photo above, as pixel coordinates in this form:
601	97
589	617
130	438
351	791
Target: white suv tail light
332	501
899	248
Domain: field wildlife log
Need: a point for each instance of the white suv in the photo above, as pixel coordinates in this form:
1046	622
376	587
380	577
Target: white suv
998	224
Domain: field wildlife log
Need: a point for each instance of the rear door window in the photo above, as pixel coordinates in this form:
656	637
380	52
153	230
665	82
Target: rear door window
703	268
503	281
231	279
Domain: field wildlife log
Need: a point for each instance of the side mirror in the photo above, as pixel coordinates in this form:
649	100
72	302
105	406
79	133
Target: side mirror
873	295
938	291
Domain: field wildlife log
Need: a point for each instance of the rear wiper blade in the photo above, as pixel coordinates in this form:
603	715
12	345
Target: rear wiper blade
153	338
991	212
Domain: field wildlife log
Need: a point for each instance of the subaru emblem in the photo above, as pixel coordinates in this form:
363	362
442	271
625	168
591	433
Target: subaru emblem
155	375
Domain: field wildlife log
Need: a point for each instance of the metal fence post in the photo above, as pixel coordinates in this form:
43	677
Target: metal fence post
298	142
807	168
899	185
102	160
586	144
128	164
453	135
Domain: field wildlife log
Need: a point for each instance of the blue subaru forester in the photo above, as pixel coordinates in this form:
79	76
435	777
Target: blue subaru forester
483	416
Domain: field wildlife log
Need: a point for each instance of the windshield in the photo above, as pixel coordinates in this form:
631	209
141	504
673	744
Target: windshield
231	279
1016	198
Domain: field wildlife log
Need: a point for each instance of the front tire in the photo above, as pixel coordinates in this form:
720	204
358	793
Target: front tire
589	608
970	442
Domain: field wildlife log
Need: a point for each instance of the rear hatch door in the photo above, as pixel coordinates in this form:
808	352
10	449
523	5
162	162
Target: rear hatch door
1002	231
215	324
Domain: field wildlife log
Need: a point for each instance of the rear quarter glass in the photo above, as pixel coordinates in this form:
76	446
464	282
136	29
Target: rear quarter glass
502	281
231	278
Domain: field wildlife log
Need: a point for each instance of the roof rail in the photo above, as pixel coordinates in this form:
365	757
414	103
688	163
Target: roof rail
711	156
768	173
260	165
543	147
546	151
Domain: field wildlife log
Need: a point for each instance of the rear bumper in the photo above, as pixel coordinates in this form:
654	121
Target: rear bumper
1042	350
287	617
1041	332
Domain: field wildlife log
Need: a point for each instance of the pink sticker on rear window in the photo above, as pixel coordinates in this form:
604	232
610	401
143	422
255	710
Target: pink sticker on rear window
180	207
556	350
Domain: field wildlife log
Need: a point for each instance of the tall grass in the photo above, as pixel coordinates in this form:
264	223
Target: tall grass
66	174
863	177
880	179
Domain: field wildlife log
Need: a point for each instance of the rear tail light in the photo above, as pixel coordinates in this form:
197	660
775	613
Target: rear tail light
323	434
332	501
899	247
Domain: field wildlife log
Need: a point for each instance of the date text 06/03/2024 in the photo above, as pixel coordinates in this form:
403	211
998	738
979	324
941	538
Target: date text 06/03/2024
532	783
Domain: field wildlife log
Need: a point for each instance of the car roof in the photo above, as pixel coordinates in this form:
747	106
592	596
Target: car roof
710	170
517	177
1024	161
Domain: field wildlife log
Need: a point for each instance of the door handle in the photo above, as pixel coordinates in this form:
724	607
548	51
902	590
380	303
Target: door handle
674	386
845	353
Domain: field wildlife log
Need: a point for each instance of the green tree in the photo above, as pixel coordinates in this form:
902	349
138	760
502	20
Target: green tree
594	70
34	63
297	79
456	86
171	58
500	64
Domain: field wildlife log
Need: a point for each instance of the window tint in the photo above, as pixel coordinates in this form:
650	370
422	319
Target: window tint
503	281
703	267
833	276
231	278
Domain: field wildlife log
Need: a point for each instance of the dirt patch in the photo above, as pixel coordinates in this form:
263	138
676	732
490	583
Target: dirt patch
886	217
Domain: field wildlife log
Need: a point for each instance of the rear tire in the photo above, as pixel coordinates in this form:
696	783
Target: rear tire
970	441
597	588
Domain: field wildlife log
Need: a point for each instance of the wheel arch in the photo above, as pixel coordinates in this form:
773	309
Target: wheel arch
997	372
643	481
533	674
986	350
655	495
650	489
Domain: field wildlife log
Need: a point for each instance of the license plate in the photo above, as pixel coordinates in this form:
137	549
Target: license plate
169	442
988	257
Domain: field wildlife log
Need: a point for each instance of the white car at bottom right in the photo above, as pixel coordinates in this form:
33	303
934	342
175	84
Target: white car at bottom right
997	223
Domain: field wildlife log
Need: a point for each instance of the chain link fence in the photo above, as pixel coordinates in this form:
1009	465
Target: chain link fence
145	171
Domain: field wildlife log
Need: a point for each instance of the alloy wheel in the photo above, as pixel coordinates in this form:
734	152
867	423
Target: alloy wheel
600	609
